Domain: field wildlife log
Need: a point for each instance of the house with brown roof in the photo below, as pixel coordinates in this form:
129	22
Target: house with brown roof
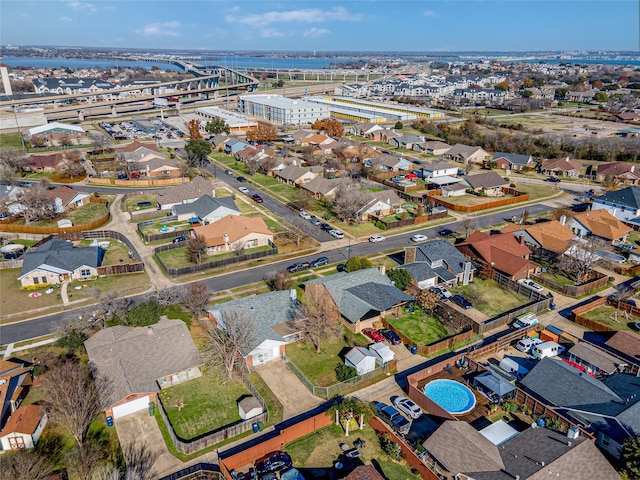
364	472
489	182
624	117
599	223
321	187
620	172
66	198
467	154
294	175
432	147
545	239
16	378
234	231
534	454
381	203
626	344
502	251
561	167
136	150
186	192
139	361
364	129
50	163
24	428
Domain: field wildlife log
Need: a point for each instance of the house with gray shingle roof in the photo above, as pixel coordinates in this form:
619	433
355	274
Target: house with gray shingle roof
389	163
58	261
624	204
207	209
184	193
437	261
321	187
466	154
273	317
406	141
610	408
359	298
136	362
512	161
294	175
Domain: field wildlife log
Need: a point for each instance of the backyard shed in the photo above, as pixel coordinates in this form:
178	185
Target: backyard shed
382	353
249	407
361	359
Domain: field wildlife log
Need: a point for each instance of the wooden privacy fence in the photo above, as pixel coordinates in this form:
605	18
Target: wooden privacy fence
213	264
271	441
409	221
138	183
9	227
152	237
599	280
577	317
434	347
518	198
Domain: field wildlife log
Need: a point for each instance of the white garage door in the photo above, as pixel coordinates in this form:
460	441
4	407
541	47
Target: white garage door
131	407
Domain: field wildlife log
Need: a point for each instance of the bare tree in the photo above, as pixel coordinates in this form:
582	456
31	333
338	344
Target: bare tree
348	201
253	165
468	167
580	258
428	299
139	459
468	225
110	306
195	297
73	397
37	204
268	163
280	280
10	163
316	319
167	296
225	345
24	465
196	249
84	460
238	248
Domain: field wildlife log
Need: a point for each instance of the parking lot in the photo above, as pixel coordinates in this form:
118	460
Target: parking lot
143	129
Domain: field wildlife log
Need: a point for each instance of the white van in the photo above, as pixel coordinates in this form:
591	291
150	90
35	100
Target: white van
546	349
526	320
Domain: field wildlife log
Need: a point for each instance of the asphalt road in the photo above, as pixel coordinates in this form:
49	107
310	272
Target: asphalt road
16	332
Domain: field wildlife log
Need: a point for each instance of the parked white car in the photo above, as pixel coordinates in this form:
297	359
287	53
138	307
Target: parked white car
408	407
305	215
531	284
336	233
376	238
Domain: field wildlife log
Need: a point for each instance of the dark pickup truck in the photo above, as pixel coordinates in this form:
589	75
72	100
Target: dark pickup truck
393	418
298	267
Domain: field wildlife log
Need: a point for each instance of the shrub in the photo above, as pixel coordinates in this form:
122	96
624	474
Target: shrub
145	314
345	372
389	446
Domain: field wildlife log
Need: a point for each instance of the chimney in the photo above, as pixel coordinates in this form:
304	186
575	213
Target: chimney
382	269
225	239
521	239
563	219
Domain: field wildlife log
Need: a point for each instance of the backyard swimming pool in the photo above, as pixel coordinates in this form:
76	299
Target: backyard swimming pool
453	396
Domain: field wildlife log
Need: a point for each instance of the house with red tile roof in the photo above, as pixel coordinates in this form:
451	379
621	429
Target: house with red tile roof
502	251
24	428
621	172
599	223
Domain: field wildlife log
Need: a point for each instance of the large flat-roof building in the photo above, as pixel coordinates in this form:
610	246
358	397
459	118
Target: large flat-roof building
238	123
282	110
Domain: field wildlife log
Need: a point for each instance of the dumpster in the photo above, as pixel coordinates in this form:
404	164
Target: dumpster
110	421
152	408
255	427
260	426
413	349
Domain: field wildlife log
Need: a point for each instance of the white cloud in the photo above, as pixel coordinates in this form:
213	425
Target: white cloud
429	13
65	19
83	6
309	15
272	33
165	29
316	32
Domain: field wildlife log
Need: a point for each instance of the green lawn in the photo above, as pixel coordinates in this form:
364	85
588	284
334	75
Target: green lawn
421	328
319	368
321	449
606	315
489	297
132	202
273	404
112	255
209	405
87	213
177	257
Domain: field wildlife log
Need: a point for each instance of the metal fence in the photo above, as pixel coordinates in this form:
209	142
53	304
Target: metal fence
213	264
200	471
336	389
102	234
152	237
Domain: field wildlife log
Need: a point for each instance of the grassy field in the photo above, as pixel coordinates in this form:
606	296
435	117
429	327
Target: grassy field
202	405
177	257
421	328
112	255
319	368
132	202
488	297
612	318
322	448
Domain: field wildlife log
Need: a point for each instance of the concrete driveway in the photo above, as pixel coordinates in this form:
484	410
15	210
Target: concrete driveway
294	396
139	427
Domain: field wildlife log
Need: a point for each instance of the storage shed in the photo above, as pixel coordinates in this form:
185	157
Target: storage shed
249	407
361	359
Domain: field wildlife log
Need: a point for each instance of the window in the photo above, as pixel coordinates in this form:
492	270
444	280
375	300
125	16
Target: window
36	280
44	279
85	272
605	440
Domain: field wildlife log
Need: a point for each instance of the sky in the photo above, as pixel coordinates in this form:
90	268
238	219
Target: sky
356	25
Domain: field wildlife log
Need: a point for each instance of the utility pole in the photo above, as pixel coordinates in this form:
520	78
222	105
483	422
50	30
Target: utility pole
24	147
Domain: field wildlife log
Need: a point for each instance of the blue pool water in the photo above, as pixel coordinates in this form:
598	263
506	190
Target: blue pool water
453	396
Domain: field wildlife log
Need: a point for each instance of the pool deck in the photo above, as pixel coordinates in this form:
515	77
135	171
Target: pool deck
482	403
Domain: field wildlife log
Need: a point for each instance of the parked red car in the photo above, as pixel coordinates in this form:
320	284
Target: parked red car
373	334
